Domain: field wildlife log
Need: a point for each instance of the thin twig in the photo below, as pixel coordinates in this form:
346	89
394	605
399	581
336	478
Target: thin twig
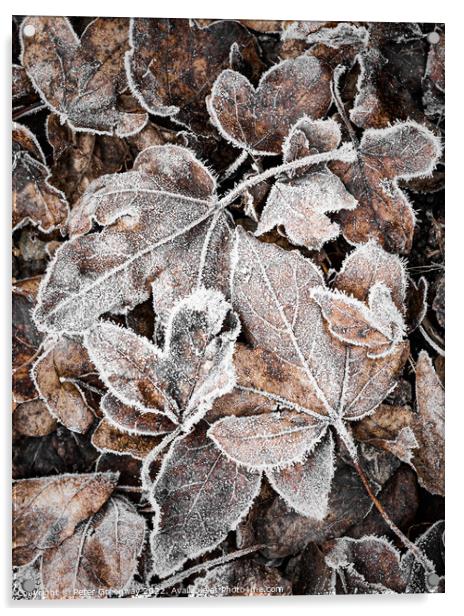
238	162
20	113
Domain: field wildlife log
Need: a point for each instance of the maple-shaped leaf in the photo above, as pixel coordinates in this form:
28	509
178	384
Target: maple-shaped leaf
158	224
258	120
59	375
47	510
384	213
194	57
428	426
35	200
369	565
26	339
300	204
182	379
81	79
101	556
200	495
304	369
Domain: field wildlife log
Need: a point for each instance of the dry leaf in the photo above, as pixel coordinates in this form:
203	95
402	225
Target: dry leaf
32	418
35	200
109	438
402	151
100	558
133	420
46	511
258	120
432	545
81	79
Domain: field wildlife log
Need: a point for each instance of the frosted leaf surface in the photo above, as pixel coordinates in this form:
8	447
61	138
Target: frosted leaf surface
429	427
181	380
56	376
109	438
157	225
47	510
81	79
133	420
305	486
194	55
267	440
200	495
35	200
402	151
343	34
100	557
259	119
432	545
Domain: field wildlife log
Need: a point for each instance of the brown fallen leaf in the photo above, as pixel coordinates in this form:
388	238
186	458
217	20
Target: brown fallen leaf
59	375
100	558
405	150
432	545
22	90
46	511
258	120
132	420
81	79
35	200
195	57
109	438
32	418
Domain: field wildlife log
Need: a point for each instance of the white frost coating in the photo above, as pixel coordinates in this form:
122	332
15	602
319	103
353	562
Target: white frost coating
184	378
132	420
263	101
320	135
343	34
199	496
306	486
432	545
270	440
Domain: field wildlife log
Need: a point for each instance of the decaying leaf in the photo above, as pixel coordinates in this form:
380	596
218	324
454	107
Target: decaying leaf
200	496
133	420
100	558
432	545
181	380
32	418
109	438
59	375
81	79
35	200
300	204
46	511
157	215
258	120
195	56
402	151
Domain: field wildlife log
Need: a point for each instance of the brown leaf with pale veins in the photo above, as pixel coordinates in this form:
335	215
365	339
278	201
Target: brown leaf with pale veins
384	213
32	418
59	375
35	200
181	380
81	80
300	204
46	511
22	90
258	120
157	226
193	521
133	420
109	438
99	558
428	426
194	55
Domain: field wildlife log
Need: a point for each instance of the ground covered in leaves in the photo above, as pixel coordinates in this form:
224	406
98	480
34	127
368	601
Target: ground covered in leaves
228	307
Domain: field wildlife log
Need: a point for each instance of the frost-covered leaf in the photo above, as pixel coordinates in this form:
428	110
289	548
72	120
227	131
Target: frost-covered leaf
369	565
81	80
110	438
305	486
429	427
158	225
22	89
59	375
26	339
32	418
379	326
241	578
300	204
200	496
434	77
181	380
133	420
35	200
402	151
99	558
267	440
260	119
432	545
46	511
195	57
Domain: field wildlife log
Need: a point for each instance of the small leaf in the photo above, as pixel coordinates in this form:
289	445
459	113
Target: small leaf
132	420
32	418
109	438
46	511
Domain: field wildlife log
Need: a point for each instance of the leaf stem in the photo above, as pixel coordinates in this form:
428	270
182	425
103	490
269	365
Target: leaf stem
147	483
408	544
